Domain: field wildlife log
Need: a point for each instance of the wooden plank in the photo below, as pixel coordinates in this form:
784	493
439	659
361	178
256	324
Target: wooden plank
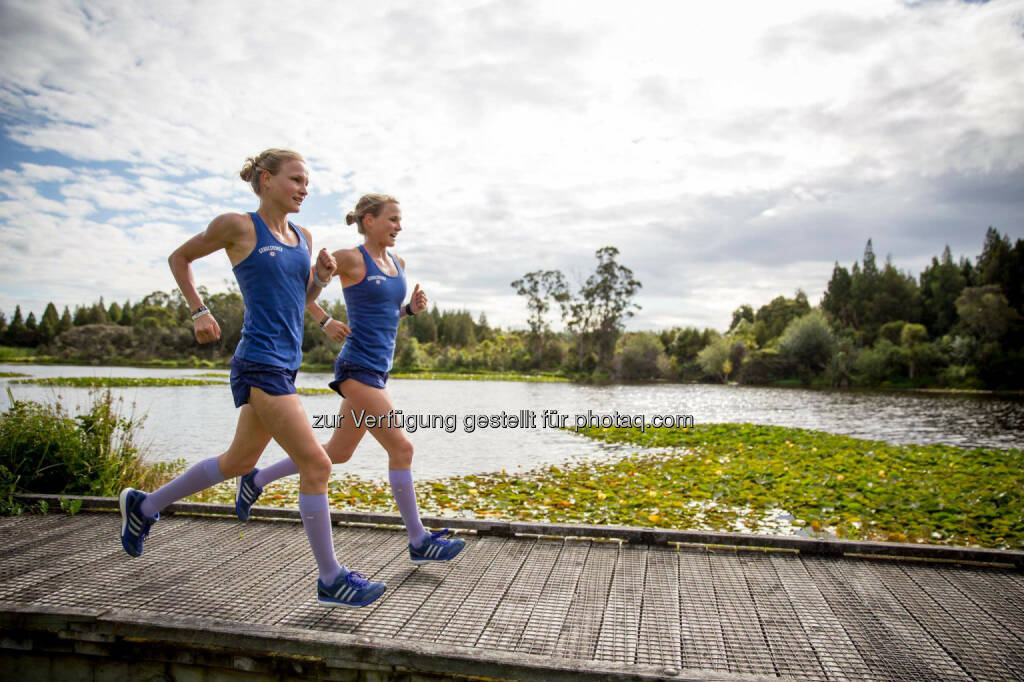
745	644
514	593
448	596
996	591
700	628
617	640
549	613
826	636
970	636
891	642
659	641
177	547
578	638
783	632
292	600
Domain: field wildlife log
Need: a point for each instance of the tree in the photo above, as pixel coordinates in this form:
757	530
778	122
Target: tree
1002	264
609	294
837	301
538	287
15	333
714	358
985	311
896	297
127	318
809	342
771	319
913	338
642	357
941	284
744	312
114	313
65	322
49	325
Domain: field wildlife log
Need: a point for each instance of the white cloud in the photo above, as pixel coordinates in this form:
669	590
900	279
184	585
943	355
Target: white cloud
732	152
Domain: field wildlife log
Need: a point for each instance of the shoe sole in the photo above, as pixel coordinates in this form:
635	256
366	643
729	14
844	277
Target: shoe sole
331	604
419	560
123	503
238	498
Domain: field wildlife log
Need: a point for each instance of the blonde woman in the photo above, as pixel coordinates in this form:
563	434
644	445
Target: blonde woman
270	257
374	287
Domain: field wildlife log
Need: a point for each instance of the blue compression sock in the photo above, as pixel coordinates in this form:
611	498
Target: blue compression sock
316	520
405	497
200	476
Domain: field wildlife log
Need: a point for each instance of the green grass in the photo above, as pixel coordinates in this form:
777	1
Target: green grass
14	354
8	375
118	382
739	478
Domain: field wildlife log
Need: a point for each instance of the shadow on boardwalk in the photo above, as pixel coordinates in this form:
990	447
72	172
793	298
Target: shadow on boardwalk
215	598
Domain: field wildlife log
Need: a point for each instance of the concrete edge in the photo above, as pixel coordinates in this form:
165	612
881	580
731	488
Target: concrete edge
336	650
635	535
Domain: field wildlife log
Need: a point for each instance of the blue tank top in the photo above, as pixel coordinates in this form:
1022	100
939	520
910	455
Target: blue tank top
273	281
374	306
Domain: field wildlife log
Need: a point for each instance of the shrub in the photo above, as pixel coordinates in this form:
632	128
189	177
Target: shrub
765	367
45	450
642	357
809	342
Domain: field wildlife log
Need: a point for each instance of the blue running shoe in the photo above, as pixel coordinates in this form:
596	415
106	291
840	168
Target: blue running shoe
436	548
247	495
134	524
349	589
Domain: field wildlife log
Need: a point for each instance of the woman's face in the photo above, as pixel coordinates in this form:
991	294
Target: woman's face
385	227
287	189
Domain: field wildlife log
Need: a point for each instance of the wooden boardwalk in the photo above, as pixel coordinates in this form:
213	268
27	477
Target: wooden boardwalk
519	607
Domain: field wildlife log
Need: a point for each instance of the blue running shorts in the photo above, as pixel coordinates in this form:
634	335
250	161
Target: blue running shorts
364	375
270	379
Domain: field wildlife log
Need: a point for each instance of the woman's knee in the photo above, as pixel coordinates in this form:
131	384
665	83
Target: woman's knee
339	454
315	468
400	455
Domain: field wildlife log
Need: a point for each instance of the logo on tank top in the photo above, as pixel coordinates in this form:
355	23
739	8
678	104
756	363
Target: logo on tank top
272	248
376	279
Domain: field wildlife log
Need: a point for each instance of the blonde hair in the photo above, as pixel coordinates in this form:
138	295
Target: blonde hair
269	160
368	203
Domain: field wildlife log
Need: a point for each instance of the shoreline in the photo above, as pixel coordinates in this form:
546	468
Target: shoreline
516	376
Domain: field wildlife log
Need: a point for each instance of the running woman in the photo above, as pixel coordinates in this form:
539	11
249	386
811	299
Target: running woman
270	257
374	287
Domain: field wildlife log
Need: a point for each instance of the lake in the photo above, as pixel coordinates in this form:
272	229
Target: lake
195	422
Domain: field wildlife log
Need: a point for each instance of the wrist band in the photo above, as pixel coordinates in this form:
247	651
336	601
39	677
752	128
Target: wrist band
326	321
408	310
316	280
200	311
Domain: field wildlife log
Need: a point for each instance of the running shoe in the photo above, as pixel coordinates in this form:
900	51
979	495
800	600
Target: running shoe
436	548
349	589
247	495
134	524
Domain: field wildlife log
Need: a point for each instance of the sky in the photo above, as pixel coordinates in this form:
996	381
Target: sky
733	152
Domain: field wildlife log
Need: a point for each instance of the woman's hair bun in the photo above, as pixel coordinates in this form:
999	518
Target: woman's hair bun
350	218
247	169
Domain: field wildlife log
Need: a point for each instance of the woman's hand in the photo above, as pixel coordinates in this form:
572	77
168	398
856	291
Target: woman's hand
325	262
206	329
418	302
336	330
